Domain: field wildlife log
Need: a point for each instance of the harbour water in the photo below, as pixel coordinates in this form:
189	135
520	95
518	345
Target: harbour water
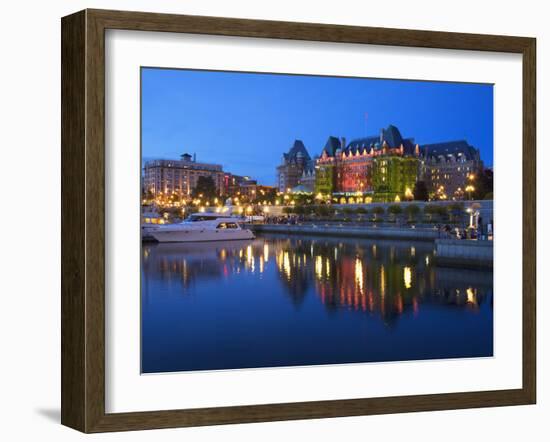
304	300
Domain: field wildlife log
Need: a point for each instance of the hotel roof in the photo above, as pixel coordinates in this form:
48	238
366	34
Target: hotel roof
296	151
450	148
390	135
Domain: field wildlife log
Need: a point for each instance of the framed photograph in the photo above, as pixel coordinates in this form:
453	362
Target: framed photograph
268	220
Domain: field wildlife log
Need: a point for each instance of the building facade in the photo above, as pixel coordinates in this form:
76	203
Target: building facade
179	176
326	167
292	167
381	167
307	180
394	175
449	168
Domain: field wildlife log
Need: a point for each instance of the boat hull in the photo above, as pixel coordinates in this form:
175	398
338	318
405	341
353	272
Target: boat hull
192	235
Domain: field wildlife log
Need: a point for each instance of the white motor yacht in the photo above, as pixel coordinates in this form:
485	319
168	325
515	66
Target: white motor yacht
202	227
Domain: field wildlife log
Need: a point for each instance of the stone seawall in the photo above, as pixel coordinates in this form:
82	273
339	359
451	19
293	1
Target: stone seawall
349	231
464	253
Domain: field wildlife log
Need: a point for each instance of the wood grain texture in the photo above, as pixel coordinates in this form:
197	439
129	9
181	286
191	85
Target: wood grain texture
83	220
73	211
529	220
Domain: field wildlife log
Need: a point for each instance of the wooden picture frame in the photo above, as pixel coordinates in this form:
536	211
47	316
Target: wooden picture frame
83	220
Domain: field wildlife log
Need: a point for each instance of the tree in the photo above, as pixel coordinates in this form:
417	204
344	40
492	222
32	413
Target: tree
455	211
378	210
324	210
205	188
300	210
412	210
395	210
483	184
348	211
420	191
431	210
149	195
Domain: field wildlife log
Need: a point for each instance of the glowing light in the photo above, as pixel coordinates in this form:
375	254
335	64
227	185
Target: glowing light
407	277
359	275
471	296
319	267
286	265
250	258
382	283
266	252
413	251
327	268
397	199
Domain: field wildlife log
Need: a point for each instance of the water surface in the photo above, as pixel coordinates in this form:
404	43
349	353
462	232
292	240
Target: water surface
302	300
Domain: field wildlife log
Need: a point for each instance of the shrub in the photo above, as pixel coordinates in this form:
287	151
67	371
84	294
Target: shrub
347	210
300	210
323	210
395	209
412	210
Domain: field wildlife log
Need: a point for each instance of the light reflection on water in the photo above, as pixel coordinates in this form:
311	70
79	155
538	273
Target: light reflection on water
279	301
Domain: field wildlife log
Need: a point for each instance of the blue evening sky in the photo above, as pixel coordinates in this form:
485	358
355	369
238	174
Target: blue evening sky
245	121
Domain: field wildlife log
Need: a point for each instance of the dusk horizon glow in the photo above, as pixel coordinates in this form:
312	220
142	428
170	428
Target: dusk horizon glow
246	121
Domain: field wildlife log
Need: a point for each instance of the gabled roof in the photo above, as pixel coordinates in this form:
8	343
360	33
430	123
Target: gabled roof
453	148
332	144
297	150
362	143
390	135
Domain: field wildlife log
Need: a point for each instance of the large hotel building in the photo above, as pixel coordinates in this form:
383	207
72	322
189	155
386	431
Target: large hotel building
179	176
385	167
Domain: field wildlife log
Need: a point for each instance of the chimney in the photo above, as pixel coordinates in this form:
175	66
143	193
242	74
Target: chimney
194	157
